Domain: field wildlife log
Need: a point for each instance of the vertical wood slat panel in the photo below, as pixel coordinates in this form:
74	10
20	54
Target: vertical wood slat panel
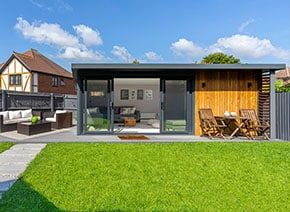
225	90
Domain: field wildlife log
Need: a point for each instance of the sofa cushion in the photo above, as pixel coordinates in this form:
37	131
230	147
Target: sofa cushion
15	114
26	113
127	110
13	121
50	119
124	111
132	110
5	115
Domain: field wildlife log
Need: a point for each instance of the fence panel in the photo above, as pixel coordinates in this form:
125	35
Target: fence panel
15	100
283	116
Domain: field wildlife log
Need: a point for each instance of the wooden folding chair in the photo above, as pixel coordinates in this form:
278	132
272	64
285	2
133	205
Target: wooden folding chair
209	124
254	127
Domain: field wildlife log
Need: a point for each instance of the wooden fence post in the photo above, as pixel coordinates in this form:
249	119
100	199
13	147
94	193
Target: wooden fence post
4	100
51	102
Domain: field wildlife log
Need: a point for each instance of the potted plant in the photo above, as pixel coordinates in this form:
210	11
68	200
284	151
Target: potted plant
34	119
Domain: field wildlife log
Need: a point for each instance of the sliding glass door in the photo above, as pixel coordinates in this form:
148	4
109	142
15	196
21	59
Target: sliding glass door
98	106
176	106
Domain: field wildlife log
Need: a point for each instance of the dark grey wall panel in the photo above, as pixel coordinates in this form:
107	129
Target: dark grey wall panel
283	116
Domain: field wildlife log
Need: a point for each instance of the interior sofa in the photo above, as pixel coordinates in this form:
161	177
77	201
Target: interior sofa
9	119
59	119
120	112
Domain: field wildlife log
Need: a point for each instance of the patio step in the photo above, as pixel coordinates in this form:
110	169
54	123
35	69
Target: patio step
14	161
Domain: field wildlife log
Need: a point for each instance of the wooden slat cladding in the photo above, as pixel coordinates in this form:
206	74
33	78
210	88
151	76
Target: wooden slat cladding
264	95
225	91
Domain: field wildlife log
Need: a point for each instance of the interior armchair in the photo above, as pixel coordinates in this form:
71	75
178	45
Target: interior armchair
59	119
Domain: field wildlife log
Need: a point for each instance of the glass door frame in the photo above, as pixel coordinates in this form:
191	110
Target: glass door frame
189	96
110	105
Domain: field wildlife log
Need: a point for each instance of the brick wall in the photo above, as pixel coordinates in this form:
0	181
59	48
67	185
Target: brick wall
45	85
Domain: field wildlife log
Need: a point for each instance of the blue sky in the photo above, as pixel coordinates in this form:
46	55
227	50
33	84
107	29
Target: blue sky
151	31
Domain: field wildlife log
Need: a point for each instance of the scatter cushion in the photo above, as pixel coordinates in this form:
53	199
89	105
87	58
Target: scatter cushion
127	110
5	115
26	113
124	111
15	114
131	110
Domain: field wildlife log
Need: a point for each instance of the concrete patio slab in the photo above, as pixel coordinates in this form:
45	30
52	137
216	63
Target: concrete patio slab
69	135
14	161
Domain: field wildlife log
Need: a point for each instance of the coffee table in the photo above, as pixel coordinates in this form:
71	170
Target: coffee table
27	128
129	122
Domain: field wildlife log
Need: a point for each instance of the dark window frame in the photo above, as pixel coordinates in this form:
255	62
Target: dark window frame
15	79
124	94
62	82
54	81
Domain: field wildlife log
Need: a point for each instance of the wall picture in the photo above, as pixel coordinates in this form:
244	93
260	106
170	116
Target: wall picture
133	94
148	94
140	94
124	94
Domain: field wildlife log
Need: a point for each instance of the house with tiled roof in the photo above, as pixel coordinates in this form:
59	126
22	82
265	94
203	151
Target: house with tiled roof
33	72
284	75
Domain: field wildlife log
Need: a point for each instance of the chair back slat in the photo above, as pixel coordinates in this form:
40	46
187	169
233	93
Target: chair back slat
207	114
249	114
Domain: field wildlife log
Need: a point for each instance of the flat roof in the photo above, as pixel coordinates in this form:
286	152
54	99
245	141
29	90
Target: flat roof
170	66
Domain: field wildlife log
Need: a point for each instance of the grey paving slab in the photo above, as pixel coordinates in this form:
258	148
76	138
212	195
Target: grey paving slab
14	161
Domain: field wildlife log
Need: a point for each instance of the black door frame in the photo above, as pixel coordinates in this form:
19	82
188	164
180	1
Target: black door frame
189	103
189	106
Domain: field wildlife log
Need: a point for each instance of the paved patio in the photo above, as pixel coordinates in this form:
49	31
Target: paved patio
14	161
69	135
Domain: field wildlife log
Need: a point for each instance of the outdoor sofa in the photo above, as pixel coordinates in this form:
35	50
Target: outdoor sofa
59	119
9	119
120	113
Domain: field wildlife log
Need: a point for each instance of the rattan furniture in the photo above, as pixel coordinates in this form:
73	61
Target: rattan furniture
28	128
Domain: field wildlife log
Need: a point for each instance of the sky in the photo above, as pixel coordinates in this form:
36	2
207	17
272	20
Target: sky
151	31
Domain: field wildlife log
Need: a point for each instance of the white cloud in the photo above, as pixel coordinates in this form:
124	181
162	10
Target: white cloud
122	53
248	47
153	57
242	46
63	5
45	33
245	24
70	46
59	4
40	5
89	36
72	53
186	48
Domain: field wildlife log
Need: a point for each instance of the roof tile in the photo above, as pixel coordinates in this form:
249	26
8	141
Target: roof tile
37	62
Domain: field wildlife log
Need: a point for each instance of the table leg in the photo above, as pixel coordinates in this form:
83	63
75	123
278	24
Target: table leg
236	130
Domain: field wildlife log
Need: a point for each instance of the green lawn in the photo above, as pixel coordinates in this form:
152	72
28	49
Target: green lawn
5	145
180	176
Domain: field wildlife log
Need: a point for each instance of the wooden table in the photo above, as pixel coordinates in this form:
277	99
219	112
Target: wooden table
233	125
27	128
129	122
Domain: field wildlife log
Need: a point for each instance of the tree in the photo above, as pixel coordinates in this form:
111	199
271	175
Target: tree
220	58
280	87
136	61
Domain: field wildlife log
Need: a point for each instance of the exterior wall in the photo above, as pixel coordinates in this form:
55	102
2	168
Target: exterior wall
15	67
224	90
45	85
